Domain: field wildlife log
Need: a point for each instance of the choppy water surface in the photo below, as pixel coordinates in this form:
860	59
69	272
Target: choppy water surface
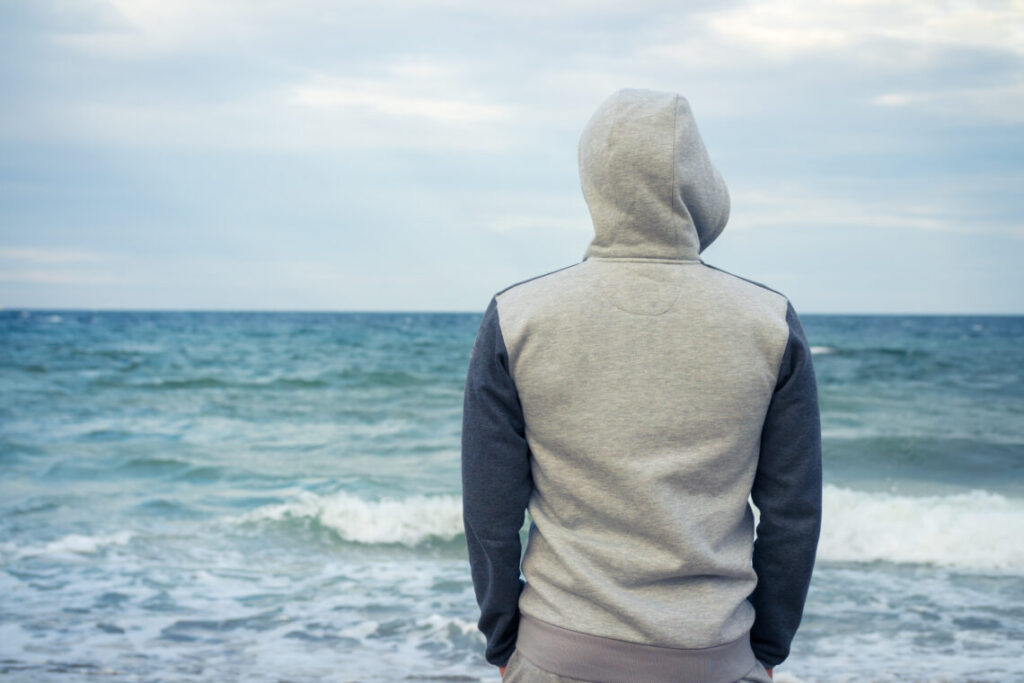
275	496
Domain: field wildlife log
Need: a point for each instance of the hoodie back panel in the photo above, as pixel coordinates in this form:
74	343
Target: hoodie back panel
633	402
643	386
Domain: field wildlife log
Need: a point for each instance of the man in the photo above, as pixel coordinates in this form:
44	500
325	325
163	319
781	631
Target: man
633	402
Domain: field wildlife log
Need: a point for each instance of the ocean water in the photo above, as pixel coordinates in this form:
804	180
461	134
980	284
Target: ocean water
196	496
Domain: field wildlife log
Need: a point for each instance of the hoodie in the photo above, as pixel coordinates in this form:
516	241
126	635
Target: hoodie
634	403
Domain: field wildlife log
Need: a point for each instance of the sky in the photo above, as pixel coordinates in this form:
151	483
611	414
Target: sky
421	155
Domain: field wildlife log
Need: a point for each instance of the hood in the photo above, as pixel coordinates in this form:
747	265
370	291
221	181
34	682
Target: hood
649	184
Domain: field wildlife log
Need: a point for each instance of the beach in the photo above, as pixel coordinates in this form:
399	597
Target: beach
198	496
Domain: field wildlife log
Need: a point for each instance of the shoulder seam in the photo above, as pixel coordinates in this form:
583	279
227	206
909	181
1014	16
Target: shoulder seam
787	347
740	277
504	347
535	277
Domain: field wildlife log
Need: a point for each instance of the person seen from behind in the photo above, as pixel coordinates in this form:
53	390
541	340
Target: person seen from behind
633	403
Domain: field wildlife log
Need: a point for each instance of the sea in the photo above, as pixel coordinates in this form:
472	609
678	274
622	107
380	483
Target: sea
275	496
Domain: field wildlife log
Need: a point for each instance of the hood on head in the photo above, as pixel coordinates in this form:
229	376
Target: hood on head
649	184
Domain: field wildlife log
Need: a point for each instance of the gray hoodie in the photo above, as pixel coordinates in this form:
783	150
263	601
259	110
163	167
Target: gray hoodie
633	402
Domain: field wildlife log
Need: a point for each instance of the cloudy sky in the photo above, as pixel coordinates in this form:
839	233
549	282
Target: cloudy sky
421	155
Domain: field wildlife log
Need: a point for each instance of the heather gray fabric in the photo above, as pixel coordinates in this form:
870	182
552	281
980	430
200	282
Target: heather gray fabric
650	186
633	402
643	387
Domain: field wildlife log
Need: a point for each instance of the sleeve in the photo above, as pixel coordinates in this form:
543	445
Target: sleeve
496	486
787	492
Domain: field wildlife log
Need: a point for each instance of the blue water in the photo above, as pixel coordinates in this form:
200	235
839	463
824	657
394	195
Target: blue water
196	496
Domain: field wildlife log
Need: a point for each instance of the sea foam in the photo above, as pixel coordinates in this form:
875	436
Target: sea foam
975	530
70	545
409	521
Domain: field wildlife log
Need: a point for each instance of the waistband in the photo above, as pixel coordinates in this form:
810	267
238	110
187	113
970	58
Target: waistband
609	660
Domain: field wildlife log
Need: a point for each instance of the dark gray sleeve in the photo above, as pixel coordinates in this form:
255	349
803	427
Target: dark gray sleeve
787	492
496	486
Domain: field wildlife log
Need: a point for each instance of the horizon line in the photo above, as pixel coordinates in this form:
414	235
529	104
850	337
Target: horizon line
83	309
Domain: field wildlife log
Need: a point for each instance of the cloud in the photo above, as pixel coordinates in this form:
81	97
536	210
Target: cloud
57	266
999	103
542	222
789	207
787	29
257	132
321	114
960	62
48	255
60	277
271	75
896	99
394	99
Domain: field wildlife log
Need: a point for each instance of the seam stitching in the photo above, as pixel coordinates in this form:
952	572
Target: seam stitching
536	277
647	259
672	188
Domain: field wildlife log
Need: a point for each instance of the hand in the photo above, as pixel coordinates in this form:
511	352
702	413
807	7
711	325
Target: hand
501	670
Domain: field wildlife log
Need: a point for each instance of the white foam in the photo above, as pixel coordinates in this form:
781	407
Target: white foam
975	530
408	521
71	545
783	677
821	350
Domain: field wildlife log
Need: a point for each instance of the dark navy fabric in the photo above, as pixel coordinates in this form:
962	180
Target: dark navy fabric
787	492
496	486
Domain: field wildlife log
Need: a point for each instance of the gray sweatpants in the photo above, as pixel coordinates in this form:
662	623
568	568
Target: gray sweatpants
522	670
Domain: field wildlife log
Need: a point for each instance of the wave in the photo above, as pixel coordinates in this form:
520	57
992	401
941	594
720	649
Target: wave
975	530
409	521
70	545
822	350
177	470
347	377
208	382
978	530
906	450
